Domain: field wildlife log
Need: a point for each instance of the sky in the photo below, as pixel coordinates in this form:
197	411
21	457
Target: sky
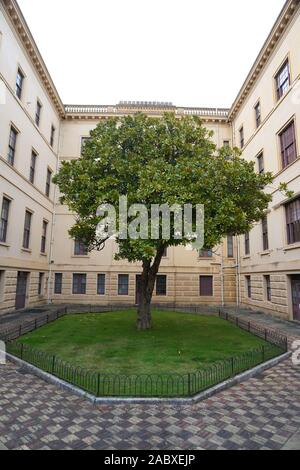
188	52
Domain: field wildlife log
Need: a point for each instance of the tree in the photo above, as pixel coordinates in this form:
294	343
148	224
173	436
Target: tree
160	161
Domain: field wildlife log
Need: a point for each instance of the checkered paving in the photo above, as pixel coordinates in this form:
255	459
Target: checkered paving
262	413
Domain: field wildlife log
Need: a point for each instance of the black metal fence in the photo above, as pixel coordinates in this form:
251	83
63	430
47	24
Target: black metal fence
101	384
271	336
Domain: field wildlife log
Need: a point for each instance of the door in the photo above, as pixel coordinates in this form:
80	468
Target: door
296	297
138	286
21	290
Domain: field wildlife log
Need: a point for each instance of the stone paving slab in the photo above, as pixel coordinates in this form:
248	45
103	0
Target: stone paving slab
293	443
262	413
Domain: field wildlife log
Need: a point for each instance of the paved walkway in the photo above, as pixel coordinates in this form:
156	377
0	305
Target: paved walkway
262	413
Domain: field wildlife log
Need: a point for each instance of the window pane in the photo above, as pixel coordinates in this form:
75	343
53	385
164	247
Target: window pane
161	285
4	219
101	284
230	246
79	283
58	283
123	284
206	286
288	145
27	226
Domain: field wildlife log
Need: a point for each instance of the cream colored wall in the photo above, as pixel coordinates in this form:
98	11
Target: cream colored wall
14	181
280	260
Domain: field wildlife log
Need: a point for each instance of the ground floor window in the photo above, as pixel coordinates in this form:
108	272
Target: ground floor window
79	283
101	284
58	283
161	285
41	284
206	286
123	284
268	291
248	287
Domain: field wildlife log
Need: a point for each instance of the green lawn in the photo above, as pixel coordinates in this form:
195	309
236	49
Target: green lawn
108	342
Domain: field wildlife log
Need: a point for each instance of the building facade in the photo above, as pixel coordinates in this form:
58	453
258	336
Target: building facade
40	263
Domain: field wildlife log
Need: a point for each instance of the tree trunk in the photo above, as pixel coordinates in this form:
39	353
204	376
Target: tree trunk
144	320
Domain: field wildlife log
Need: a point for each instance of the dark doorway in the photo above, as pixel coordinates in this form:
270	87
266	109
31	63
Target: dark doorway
21	290
138	287
295	281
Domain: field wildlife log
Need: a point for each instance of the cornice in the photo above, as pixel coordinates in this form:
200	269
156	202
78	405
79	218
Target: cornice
279	28
95	113
22	30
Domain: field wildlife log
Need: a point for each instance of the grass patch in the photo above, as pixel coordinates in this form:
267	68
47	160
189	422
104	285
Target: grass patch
110	343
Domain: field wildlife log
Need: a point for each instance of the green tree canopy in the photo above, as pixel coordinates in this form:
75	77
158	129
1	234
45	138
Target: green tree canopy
160	161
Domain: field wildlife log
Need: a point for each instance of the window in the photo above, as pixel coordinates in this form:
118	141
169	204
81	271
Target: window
80	248
206	253
283	80
32	166
48	182
261	163
248	287
44	236
58	283
206	286
27	227
12	145
230	246
268	289
101	284
288	145
161	285
226	143
79	284
242	137
265	234
52	136
38	113
293	221
4	219
257	110
247	243
19	83
41	284
123	282
165	253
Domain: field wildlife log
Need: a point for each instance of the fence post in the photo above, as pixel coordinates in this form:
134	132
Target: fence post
53	364
249	327
266	335
189	385
20	330
22	347
232	366
98	385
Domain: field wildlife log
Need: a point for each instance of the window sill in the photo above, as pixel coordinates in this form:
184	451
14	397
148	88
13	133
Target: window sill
44	254
26	250
80	256
265	253
5	245
246	257
294	246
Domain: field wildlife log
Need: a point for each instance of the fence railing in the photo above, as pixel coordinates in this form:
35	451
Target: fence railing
271	336
101	384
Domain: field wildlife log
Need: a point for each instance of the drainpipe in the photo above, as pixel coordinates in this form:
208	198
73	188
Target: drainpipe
238	283
222	276
51	251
